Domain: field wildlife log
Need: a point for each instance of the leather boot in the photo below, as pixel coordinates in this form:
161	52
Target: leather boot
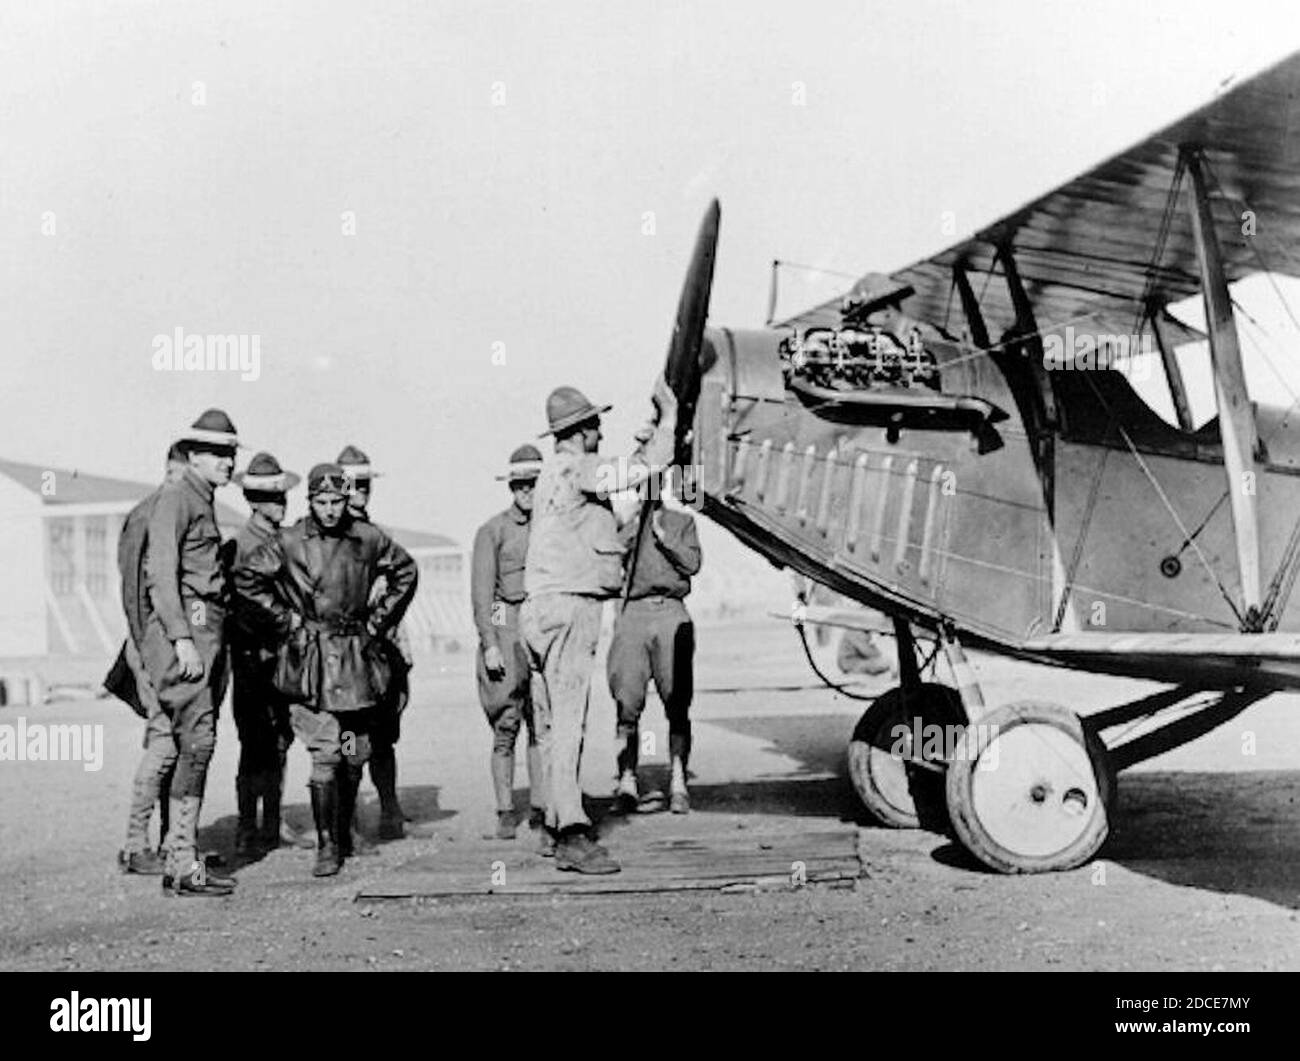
268	787
383	772
325	811
272	813
349	781
246	791
275	831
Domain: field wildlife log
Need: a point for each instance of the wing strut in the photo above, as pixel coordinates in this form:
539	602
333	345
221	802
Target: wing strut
1015	356
1042	426
1236	416
970	305
1173	372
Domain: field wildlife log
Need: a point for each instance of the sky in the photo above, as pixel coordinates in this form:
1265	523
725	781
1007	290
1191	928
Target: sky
431	214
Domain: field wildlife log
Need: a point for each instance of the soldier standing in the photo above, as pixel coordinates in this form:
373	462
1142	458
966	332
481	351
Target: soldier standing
655	638
130	681
183	644
383	750
496	592
261	712
326	568
574	565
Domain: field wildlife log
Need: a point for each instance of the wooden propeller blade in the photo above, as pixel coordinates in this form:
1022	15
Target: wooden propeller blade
682	369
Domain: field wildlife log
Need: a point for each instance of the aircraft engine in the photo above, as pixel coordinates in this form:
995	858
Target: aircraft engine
854	358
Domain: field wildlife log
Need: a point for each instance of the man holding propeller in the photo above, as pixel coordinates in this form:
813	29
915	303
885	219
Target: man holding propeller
574	565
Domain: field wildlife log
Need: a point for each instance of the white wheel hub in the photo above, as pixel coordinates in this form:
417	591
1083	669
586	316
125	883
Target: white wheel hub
1034	790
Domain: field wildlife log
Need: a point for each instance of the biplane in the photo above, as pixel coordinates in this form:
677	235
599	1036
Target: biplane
929	445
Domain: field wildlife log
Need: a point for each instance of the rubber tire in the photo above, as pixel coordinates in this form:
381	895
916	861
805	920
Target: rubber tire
939	705
961	811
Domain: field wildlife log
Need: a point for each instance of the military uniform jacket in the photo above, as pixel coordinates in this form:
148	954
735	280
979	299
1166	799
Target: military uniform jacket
497	571
663	567
573	544
182	558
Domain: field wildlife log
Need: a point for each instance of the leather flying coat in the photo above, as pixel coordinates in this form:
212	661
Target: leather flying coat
325	579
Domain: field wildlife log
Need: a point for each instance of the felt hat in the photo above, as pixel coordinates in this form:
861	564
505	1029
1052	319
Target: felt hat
525	464
265	476
355	463
567	407
212	430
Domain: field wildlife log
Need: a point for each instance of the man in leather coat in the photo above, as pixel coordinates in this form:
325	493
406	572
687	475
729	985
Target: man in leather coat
331	661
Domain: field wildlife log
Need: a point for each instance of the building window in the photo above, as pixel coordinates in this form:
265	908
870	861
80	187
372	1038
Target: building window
61	564
97	555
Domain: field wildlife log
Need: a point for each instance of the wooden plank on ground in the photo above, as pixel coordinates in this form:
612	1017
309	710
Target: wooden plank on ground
721	863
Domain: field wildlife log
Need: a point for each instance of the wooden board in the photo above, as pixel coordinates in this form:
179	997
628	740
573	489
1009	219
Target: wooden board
725	863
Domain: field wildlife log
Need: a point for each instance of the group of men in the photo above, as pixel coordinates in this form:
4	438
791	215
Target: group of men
306	617
542	572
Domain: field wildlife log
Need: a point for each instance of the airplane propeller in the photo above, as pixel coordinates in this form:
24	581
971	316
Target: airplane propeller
682	368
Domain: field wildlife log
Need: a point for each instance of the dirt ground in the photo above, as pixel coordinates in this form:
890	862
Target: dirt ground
1202	871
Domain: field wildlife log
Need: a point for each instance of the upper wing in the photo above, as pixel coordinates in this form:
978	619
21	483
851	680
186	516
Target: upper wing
1085	251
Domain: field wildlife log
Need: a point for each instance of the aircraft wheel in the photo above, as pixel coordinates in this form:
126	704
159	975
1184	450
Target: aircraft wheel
1030	791
898	793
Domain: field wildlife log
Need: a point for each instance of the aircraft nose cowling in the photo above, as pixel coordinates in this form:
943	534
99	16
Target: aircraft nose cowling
683	369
